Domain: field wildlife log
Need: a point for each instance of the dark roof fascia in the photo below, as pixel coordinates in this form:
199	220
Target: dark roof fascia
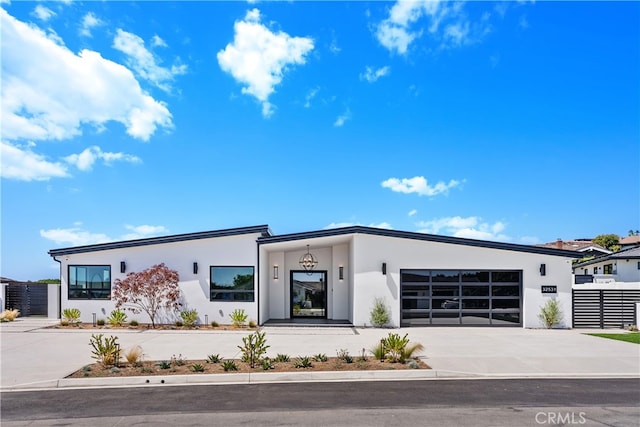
417	236
262	229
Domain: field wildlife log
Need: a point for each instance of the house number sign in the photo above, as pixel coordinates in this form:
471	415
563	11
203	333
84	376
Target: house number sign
549	289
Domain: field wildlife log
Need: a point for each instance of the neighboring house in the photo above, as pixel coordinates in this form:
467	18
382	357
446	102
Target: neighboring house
331	275
629	242
584	246
621	266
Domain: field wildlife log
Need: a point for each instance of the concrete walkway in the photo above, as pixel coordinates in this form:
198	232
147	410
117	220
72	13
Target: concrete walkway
33	356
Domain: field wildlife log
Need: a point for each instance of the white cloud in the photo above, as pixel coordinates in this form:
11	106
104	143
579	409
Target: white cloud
419	185
470	227
371	75
143	62
408	20
310	95
258	57
412	212
85	160
68	90
77	236
384	225
89	21
43	13
342	118
22	164
157	41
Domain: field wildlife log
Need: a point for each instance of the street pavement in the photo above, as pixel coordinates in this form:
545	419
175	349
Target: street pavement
35	357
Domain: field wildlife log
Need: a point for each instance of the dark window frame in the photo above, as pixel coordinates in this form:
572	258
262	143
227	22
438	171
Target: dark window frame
230	293
89	291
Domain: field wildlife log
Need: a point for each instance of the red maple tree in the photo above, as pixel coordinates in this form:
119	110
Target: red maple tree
149	290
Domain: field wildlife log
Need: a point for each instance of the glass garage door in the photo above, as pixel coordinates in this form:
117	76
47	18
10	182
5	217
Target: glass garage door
461	297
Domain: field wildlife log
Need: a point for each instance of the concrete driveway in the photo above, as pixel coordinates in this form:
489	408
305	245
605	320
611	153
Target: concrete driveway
33	356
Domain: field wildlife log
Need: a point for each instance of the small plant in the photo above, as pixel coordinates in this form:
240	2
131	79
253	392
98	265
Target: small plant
303	362
632	328
255	345
189	318
64	322
379	315
267	364
214	324
281	358
363	356
197	367
179	323
164	364
252	323
378	351
178	360
229	365
100	322
71	315
398	349
105	350
9	315
321	357
145	370
550	313
213	358
413	364
134	355
343	354
238	318
133	323
117	318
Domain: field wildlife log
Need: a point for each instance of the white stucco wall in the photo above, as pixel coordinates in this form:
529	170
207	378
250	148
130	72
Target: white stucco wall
369	252
238	250
625	270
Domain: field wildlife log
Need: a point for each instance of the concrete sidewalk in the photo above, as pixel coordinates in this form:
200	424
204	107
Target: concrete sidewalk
35	357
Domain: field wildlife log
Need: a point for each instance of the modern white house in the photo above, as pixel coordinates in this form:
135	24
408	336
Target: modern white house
331	276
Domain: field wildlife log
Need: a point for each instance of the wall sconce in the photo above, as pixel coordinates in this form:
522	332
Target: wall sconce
384	268
123	267
543	269
341	273
275	272
195	268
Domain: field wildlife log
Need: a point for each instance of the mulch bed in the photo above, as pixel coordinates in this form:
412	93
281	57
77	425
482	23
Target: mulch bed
150	368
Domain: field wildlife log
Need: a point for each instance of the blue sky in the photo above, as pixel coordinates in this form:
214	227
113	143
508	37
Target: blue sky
508	121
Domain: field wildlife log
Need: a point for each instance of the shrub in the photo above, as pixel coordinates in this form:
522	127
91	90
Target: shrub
71	315
214	324
238	317
398	349
303	362
105	350
550	313
632	328
164	364
134	355
321	357
254	346
378	351
9	315
379	315
117	318
100	322
133	323
213	358
179	323
64	322
197	367
229	365
189	318
281	357
252	323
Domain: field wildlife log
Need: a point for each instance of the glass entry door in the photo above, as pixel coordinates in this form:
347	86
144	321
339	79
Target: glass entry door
309	294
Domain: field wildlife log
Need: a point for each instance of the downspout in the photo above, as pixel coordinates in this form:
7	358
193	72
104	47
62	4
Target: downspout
60	287
258	274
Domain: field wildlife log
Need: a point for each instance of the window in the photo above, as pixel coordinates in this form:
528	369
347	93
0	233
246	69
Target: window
608	269
89	282
230	283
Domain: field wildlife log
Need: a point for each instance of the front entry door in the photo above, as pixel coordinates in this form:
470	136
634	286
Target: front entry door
309	294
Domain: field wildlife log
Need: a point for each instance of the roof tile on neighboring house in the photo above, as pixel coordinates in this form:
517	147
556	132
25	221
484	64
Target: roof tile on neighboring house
630	240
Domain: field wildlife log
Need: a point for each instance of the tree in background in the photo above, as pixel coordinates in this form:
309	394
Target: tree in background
150	290
609	241
634	233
